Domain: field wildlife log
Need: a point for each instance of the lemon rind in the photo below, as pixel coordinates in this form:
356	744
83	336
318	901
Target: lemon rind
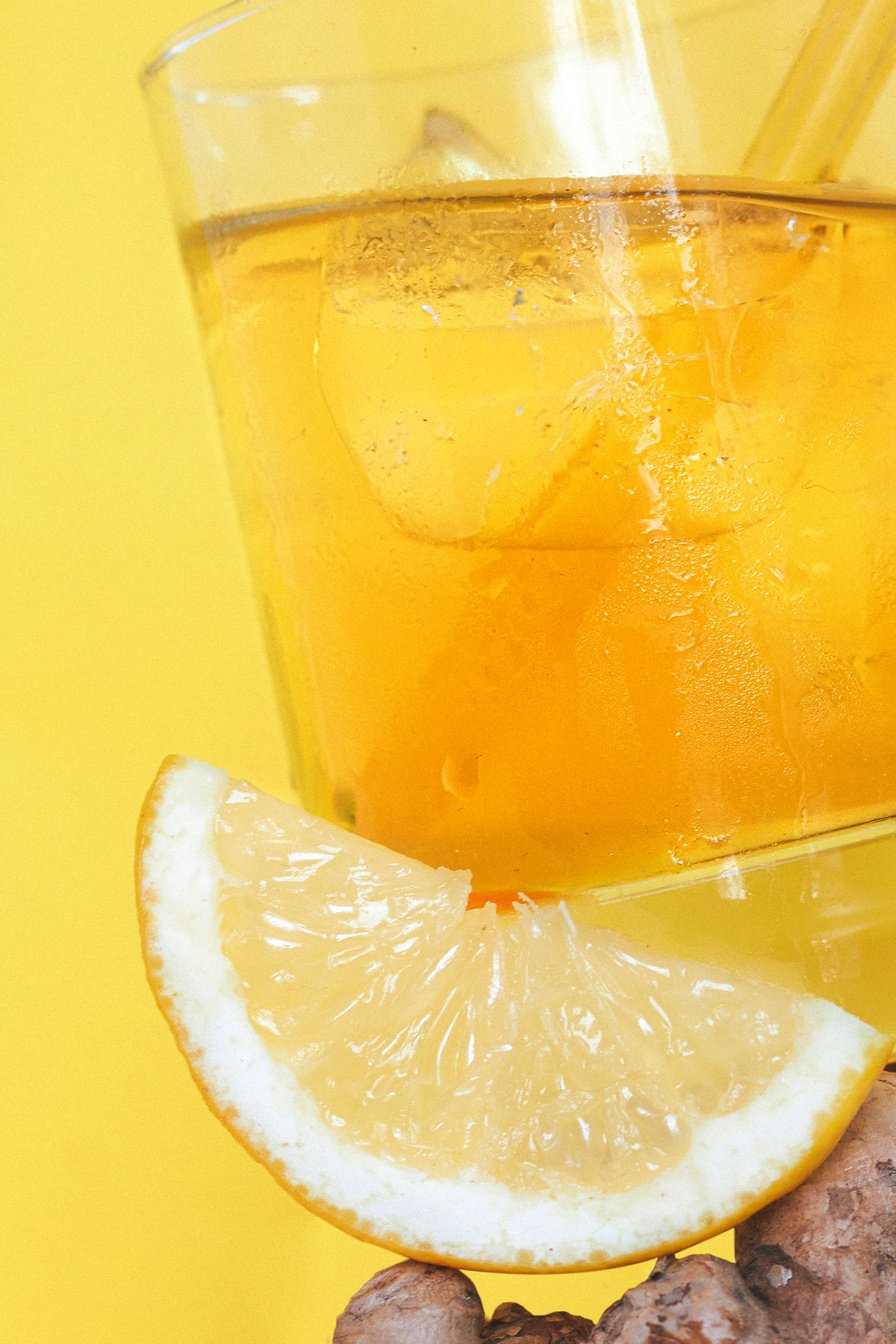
467	1219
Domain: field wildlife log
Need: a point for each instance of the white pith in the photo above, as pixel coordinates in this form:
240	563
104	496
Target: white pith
732	1160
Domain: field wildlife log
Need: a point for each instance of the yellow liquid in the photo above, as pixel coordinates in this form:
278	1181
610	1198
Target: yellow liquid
572	511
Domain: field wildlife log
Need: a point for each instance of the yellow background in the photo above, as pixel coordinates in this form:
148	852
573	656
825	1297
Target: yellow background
128	1214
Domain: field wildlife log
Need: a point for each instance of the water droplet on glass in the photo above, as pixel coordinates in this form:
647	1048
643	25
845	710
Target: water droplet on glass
460	775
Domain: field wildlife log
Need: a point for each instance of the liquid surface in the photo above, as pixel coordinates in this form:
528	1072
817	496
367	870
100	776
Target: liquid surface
573	516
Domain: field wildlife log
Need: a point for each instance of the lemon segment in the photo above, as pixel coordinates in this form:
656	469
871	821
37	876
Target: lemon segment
498	1091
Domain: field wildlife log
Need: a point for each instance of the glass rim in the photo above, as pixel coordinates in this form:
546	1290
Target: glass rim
224	16
190	34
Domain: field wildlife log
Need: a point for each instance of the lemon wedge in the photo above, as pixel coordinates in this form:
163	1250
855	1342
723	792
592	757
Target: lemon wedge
495	1090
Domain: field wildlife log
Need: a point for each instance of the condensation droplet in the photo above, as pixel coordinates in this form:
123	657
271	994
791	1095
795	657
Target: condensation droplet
460	776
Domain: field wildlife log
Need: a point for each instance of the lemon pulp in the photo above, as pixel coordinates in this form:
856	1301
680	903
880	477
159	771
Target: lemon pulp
502	1091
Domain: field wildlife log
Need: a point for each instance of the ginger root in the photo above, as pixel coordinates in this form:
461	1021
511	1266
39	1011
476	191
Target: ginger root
413	1303
698	1300
512	1324
816	1267
823	1258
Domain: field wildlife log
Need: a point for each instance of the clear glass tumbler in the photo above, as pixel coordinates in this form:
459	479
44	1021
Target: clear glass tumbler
555	349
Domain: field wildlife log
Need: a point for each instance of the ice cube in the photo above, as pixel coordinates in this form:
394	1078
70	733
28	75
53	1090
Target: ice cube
462	350
575	371
447	150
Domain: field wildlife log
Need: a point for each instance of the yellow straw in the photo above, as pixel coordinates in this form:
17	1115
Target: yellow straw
828	93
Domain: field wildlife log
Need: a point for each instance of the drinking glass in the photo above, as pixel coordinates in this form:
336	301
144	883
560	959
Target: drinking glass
555	351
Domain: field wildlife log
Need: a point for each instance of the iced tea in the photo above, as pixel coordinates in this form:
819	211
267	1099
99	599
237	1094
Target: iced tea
573	513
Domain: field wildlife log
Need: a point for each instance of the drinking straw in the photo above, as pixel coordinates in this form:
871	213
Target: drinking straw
823	103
